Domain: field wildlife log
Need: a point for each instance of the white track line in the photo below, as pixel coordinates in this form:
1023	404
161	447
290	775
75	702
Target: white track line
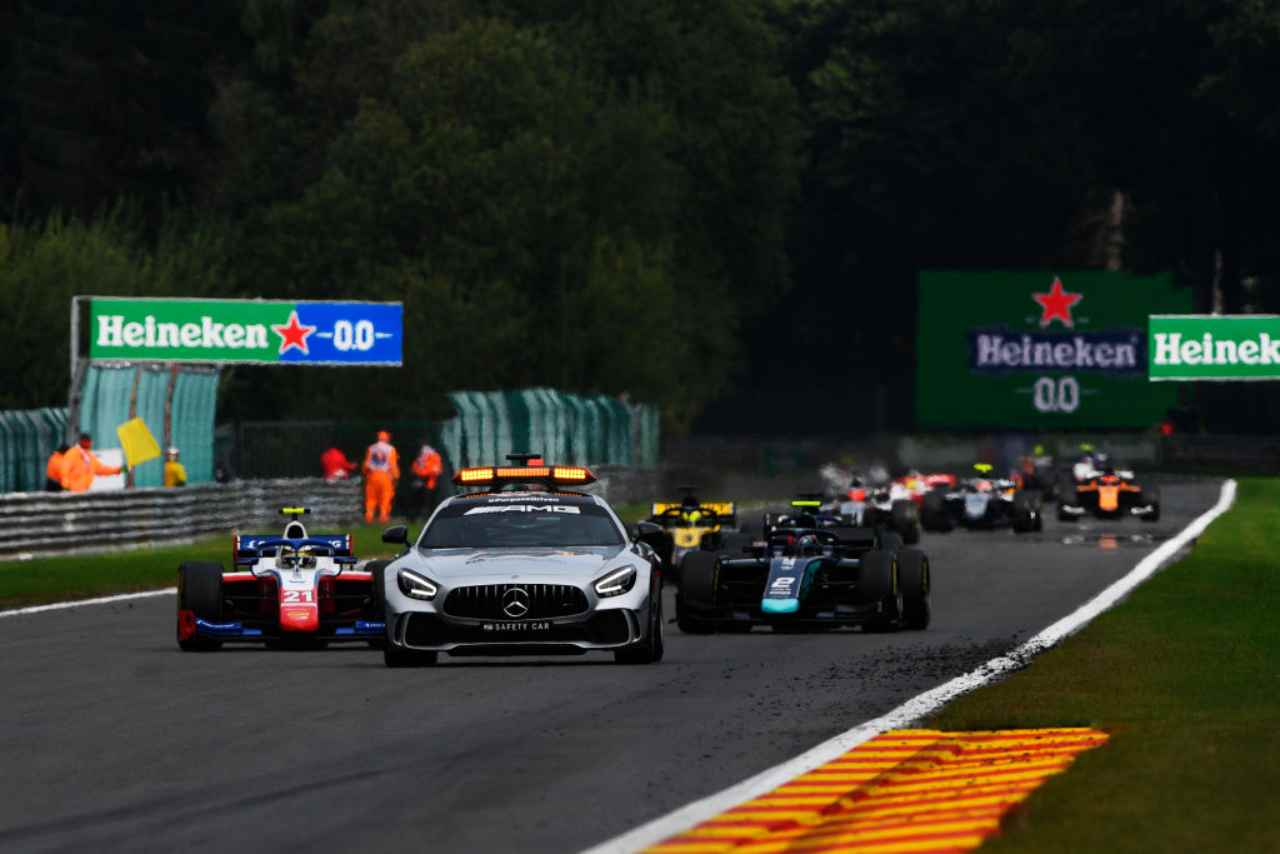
81	603
917	707
103	600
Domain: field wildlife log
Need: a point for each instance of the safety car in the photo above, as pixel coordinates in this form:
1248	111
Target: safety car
982	502
294	588
800	578
524	565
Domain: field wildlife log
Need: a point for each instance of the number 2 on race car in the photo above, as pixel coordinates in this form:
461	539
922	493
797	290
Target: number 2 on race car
297	597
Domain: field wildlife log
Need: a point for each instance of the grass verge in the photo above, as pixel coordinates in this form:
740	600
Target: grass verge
1185	675
57	579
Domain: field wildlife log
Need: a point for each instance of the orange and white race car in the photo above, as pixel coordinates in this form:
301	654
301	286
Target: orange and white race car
1110	494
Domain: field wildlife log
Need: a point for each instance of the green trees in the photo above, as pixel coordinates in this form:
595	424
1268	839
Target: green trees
670	198
554	201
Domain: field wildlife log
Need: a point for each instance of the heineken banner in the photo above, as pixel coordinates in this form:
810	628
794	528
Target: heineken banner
1039	351
252	331
1215	347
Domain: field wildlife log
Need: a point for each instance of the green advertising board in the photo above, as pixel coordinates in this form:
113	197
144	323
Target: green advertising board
248	331
1039	351
1214	347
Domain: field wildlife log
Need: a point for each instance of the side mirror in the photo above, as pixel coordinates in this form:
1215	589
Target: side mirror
397	535
656	538
646	529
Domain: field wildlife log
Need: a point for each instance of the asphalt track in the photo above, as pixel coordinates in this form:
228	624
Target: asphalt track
111	739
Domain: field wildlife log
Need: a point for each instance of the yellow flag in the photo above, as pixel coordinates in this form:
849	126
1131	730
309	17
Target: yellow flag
138	443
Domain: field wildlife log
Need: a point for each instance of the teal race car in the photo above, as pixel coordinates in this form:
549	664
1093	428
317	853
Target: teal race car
807	577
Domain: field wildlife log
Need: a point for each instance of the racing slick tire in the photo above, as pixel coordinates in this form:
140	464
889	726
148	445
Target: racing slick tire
200	593
648	651
378	599
1026	514
880	580
933	513
697	587
913	576
906	520
1151	496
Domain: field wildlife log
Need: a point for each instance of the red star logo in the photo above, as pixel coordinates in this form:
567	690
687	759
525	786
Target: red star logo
1057	304
293	334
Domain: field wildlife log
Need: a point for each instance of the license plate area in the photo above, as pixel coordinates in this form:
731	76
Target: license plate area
516	628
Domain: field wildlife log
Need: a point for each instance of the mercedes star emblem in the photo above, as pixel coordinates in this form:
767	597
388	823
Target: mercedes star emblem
515	602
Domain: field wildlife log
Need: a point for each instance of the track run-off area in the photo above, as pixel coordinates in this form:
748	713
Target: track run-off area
113	739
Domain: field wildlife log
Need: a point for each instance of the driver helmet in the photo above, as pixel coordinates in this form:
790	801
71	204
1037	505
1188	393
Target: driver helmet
878	475
808	544
291	558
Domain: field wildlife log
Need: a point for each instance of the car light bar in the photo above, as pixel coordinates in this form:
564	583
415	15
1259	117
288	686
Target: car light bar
806	502
490	475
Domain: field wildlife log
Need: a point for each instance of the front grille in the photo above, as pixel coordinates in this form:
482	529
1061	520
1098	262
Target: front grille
486	601
603	627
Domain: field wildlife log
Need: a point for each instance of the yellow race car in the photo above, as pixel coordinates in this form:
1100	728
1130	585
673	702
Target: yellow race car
693	524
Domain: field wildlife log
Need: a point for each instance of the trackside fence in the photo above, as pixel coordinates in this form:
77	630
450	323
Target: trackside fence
45	523
565	428
39	523
27	438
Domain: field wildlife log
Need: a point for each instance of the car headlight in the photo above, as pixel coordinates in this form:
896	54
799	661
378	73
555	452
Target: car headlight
415	585
617	582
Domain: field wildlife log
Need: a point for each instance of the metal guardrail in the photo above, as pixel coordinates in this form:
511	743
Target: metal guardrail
43	523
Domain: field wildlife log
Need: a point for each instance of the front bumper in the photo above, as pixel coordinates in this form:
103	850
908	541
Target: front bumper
839	615
1139	511
235	631
600	630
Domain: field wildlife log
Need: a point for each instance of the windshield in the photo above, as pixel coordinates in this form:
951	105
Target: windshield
525	521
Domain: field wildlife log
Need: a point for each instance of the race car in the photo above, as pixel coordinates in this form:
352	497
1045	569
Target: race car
292	589
524	566
692	523
888	505
807	511
1110	494
807	577
918	484
982	502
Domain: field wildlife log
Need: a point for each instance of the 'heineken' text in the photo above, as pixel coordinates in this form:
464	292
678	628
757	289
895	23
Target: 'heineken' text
114	331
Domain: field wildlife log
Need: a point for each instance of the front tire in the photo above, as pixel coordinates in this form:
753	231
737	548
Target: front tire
650	650
881	581
1151	496
200	596
906	520
934	515
378	598
916	580
697	591
1026	513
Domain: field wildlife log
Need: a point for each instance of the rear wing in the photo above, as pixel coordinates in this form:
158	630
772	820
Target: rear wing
725	512
246	549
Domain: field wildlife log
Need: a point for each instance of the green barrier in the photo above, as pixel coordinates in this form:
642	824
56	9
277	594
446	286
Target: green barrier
564	427
27	438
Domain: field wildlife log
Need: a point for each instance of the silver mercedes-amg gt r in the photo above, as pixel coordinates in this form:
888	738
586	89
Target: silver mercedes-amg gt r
535	571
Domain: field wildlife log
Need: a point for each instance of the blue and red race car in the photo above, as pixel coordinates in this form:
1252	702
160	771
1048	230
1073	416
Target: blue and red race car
295	588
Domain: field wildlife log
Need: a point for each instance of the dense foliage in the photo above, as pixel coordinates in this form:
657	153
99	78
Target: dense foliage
681	200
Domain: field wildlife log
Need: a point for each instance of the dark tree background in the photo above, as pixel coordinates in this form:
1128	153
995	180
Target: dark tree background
694	202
